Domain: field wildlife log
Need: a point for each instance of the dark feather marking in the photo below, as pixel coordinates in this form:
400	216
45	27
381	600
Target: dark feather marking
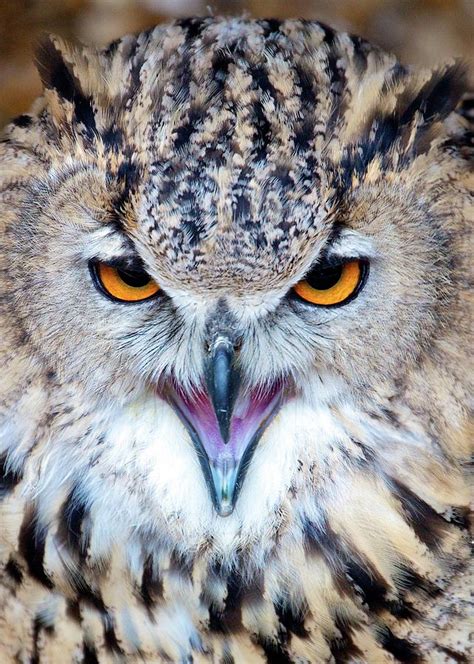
73	610
454	654
22	121
260	76
70	526
38	626
275	651
270	26
292	621
110	636
32	541
429	526
84	592
181	565
438	97
14	572
410	580
56	75
9	478
241	207
321	540
216	623
371	585
84	114
185	131
361	50
403	610
89	654
192	227
238	592
353	573
136	69
459	517
112	138
263	132
338	84
227	659
128	175
342	647
192	26
35	654
152	586
357	157
232	615
87	595
220	68
304	134
110	50
54	72
401	649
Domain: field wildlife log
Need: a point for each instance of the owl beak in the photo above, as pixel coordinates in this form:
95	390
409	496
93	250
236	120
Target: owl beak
224	486
223	381
225	423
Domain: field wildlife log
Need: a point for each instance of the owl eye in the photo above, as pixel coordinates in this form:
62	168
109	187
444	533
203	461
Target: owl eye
333	284
122	283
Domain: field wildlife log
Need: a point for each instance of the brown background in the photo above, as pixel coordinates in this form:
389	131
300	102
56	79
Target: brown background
419	31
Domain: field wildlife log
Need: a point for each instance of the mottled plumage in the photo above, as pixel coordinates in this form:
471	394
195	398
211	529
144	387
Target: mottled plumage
227	157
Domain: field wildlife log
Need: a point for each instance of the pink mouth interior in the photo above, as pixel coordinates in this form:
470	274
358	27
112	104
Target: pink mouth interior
251	412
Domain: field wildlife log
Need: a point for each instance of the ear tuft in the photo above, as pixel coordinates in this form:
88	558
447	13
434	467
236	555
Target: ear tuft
55	72
439	96
62	69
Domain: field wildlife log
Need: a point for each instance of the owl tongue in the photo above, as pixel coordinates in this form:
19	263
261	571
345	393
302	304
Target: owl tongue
225	445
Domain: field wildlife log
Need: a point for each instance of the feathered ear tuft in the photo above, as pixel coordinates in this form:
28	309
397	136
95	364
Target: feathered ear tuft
54	70
396	133
437	97
63	71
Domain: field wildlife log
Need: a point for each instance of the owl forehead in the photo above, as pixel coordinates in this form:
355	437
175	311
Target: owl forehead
203	210
229	227
230	172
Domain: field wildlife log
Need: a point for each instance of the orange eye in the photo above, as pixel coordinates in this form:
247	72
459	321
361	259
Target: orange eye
330	285
124	284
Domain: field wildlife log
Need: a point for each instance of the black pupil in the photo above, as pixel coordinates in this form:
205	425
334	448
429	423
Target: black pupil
322	278
134	278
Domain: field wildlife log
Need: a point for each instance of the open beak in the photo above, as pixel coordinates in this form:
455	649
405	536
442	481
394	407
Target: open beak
225	422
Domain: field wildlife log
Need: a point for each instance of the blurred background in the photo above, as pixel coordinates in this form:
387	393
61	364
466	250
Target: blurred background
419	31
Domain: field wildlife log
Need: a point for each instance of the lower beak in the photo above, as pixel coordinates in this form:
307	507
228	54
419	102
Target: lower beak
224	485
225	423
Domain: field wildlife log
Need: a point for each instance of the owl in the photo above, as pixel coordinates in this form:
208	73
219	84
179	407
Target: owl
234	319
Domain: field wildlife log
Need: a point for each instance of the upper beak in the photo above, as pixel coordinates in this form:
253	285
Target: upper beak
225	422
223	381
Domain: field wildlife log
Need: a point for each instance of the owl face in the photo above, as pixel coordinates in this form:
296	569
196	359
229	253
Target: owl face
230	357
228	262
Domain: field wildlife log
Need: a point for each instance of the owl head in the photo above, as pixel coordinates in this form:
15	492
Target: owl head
233	274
